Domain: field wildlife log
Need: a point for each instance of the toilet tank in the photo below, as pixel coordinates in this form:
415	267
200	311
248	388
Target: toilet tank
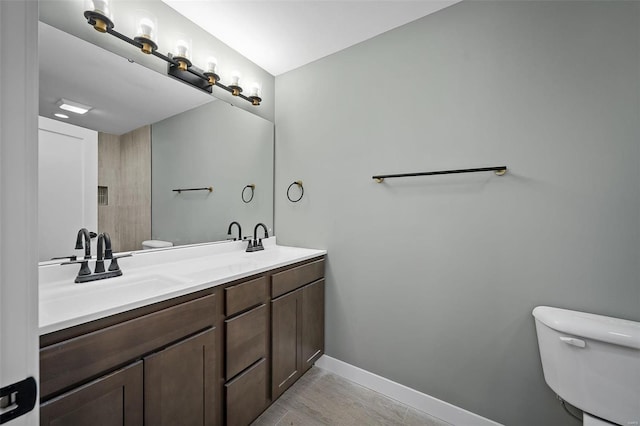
592	362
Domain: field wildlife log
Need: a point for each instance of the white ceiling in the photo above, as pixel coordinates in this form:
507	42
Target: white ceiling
124	95
283	35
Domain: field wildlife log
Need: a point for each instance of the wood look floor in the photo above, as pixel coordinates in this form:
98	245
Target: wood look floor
323	398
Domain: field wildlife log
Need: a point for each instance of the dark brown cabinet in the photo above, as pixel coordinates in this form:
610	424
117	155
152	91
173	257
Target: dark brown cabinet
312	323
179	383
112	400
286	330
246	395
246	351
213	357
246	340
171	377
297	323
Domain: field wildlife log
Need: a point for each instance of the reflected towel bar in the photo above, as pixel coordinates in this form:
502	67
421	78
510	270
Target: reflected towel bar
499	170
210	189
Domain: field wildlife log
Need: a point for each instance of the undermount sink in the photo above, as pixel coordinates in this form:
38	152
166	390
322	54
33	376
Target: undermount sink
151	277
87	298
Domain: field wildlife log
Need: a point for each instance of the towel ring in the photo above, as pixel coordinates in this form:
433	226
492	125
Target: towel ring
252	187
299	183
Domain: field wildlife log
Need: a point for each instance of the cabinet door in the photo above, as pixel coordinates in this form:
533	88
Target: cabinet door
179	383
285	341
312	323
113	400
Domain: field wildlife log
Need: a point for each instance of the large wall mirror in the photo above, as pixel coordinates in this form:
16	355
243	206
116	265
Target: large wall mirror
126	166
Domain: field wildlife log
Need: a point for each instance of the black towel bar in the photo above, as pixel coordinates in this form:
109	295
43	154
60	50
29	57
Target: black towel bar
499	170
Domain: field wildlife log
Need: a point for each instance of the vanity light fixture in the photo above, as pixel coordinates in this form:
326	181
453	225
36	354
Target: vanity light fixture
255	94
235	84
146	29
182	53
211	70
72	106
99	15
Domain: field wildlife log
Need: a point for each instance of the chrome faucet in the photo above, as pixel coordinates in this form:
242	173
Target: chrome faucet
239	230
256	244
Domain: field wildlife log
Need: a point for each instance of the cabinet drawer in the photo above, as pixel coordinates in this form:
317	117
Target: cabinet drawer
246	337
246	395
286	281
115	399
244	296
84	357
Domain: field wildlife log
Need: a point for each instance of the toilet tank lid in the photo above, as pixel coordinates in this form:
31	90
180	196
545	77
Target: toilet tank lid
591	326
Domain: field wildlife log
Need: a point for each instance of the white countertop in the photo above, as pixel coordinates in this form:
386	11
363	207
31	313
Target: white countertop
153	276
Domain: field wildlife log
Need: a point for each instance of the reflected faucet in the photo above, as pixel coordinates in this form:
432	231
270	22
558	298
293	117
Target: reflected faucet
239	230
255	231
84	267
256	245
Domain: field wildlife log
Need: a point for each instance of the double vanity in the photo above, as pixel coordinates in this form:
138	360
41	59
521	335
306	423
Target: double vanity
199	335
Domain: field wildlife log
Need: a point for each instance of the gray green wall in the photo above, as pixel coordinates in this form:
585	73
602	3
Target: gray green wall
431	281
213	145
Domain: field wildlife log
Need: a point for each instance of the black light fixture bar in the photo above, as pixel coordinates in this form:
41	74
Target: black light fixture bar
499	170
200	80
193	77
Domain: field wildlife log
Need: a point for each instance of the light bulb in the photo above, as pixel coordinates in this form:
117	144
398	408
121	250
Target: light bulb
255	90
146	28
235	78
182	49
98	14
102	6
212	64
146	31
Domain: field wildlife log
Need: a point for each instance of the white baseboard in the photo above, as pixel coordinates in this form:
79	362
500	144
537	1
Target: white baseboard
418	400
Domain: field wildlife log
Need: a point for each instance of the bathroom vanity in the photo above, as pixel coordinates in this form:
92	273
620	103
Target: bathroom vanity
200	335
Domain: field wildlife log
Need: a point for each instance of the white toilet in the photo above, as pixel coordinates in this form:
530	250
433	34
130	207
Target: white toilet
592	362
155	244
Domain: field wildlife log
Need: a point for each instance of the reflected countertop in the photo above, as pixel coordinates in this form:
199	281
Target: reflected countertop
153	276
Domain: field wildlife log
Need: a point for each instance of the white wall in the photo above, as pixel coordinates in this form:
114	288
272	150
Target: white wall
18	195
431	281
67	186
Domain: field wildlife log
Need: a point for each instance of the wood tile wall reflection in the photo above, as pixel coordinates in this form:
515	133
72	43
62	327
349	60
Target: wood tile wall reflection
124	165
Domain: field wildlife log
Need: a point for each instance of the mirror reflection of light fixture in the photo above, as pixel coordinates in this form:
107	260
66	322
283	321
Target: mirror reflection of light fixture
146	31
211	70
235	84
73	106
99	12
255	94
98	15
